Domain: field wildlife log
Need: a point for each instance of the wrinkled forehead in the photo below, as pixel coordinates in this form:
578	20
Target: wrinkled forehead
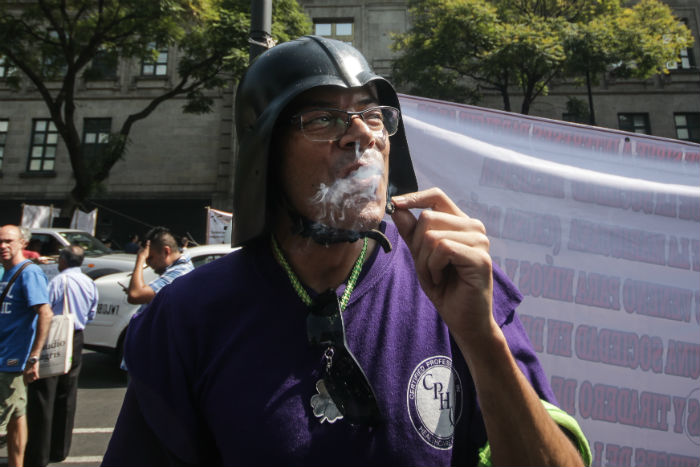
334	97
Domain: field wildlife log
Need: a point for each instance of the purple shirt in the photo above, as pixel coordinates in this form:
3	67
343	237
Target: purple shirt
222	372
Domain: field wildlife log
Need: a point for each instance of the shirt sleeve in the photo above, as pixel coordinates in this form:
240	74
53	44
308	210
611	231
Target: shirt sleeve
35	286
161	405
169	276
95	300
133	435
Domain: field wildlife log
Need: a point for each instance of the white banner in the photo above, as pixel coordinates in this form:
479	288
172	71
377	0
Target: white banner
38	216
85	221
600	231
218	226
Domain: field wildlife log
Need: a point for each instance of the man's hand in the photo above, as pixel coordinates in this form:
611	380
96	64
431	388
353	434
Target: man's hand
451	254
31	372
138	291
143	253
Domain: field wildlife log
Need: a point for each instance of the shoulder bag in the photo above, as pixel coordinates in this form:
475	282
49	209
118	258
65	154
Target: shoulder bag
57	355
12	280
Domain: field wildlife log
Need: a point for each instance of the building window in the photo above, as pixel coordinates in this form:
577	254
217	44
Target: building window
53	63
688	126
104	65
635	123
5	68
4	123
687	61
95	136
343	30
157	67
42	152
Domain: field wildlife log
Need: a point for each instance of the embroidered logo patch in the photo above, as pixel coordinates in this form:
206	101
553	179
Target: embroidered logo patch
434	400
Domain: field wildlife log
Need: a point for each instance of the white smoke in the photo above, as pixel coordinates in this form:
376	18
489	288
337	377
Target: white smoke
338	202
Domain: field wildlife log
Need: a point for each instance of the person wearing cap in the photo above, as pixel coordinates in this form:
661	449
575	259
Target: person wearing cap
336	334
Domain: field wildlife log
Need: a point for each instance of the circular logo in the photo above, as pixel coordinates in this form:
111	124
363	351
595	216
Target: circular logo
434	399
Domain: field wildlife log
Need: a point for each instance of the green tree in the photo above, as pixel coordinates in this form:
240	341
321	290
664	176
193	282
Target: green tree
636	42
461	47
53	42
457	48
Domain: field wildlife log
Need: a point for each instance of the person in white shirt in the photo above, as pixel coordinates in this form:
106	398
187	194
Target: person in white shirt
52	401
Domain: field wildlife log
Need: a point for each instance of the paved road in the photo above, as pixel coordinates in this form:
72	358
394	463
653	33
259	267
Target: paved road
100	393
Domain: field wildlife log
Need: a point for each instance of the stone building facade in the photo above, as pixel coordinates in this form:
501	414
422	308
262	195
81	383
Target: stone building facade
666	106
178	164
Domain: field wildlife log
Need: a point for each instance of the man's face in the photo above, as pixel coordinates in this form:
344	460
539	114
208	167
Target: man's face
158	259
339	183
11	244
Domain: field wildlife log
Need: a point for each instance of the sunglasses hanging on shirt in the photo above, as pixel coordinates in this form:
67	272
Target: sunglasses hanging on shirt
343	390
343	380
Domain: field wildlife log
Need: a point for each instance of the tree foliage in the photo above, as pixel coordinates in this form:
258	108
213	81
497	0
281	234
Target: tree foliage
52	43
456	49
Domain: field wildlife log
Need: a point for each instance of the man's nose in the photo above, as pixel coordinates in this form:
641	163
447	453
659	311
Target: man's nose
358	130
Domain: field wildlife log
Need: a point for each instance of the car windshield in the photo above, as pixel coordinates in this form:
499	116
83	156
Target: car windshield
90	244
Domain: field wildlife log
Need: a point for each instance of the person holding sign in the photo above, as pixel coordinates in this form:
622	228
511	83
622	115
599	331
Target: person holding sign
25	317
52	401
334	336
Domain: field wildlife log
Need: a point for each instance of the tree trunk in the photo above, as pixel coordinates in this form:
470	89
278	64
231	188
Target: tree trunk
506	99
591	112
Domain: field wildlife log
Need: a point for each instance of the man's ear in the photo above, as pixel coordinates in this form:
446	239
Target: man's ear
167	250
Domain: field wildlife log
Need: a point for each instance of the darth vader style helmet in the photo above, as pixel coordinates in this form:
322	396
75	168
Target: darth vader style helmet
269	85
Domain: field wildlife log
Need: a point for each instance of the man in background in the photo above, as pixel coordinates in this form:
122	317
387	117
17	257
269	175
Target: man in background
132	246
162	253
25	317
29	254
52	401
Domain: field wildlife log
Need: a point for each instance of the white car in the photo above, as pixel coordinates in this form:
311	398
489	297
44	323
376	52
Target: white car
99	260
105	333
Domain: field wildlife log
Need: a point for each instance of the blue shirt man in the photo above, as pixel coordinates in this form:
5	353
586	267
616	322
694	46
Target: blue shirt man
25	317
52	401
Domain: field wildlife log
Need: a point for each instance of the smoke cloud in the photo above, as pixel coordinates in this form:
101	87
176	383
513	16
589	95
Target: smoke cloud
340	202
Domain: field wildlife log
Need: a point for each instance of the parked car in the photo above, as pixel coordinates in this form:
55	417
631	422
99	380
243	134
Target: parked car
99	260
106	332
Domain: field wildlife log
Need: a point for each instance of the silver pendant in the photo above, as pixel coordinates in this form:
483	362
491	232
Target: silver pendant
323	405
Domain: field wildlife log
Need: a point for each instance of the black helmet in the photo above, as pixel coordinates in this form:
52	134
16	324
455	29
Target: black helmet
271	82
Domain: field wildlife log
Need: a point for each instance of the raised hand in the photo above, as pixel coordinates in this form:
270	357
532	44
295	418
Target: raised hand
451	254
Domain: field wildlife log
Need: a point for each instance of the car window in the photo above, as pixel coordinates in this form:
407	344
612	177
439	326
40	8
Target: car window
200	260
44	244
87	242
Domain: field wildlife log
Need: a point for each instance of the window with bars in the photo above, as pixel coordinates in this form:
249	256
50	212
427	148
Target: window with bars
157	66
634	122
340	29
95	136
687	126
4	124
42	150
687	60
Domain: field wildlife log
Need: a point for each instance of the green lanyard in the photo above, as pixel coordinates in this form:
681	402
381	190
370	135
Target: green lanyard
303	294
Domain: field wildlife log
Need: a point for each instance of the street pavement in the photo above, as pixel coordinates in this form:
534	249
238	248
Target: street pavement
101	390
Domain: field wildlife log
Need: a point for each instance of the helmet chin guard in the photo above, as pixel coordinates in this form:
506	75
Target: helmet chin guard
269	85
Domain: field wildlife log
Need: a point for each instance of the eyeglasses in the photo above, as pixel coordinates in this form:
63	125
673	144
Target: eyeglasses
331	124
343	376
